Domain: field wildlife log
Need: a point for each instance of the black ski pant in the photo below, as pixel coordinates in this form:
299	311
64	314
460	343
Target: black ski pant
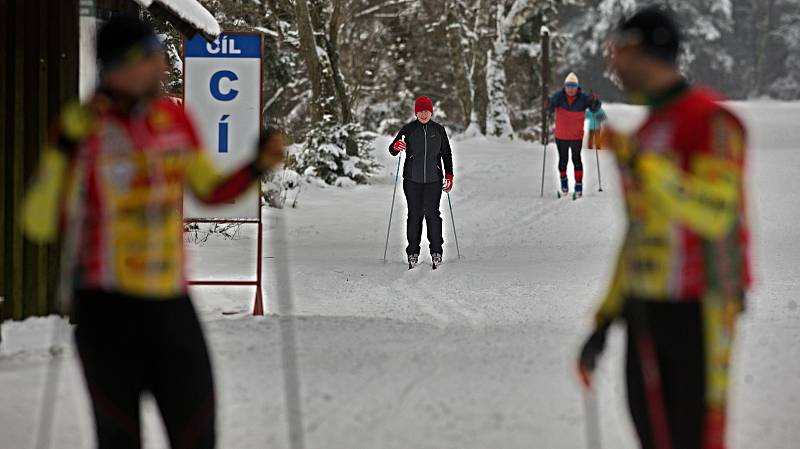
676	333
129	346
564	147
423	203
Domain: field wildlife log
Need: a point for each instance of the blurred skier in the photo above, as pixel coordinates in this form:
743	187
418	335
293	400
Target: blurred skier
683	269
596	120
427	172
570	105
113	175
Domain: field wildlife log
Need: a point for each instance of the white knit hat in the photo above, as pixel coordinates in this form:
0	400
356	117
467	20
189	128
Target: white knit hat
572	78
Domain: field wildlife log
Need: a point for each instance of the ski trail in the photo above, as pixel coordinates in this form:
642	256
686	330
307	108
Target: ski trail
394	380
453	302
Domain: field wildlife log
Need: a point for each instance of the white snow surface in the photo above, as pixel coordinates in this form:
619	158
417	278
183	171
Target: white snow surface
478	354
191	11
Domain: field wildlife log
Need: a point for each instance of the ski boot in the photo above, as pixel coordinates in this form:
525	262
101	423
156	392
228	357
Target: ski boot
578	191
564	187
436	259
413	259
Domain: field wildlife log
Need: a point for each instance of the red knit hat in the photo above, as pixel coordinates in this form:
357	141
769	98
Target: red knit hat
423	103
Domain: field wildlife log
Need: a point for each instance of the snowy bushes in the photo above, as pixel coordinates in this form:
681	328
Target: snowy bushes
280	186
331	152
200	233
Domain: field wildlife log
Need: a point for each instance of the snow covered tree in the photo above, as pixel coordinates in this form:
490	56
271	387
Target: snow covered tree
746	49
787	86
706	27
498	120
324	154
510	16
318	25
767	45
378	50
466	34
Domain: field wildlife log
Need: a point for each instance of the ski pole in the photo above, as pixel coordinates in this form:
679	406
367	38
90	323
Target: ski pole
47	406
391	211
592	420
597	156
288	340
596	145
544	151
453	219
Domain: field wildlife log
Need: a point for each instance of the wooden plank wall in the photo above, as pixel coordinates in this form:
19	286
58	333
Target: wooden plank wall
38	75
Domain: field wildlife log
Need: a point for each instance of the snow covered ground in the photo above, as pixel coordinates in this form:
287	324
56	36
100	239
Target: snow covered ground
478	354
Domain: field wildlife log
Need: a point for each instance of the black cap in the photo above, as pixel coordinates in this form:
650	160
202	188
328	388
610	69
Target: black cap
123	39
655	30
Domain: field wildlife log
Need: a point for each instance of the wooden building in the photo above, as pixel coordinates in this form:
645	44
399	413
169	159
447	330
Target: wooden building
38	74
40	44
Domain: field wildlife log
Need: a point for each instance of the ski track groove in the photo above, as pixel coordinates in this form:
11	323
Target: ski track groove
537	215
343	413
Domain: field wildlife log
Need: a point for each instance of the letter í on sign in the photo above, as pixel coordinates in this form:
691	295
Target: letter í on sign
223	134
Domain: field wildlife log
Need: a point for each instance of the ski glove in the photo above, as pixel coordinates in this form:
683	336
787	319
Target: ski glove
399	146
590	353
72	127
271	150
447	185
594	102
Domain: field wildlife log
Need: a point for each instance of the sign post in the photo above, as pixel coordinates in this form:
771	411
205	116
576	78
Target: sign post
222	91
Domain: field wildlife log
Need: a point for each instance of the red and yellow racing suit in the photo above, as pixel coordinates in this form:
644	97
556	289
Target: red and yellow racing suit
687	235
114	183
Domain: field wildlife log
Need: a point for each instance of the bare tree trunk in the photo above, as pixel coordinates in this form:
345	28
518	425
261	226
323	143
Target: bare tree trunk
309	49
329	95
480	97
498	119
460	52
763	46
332	47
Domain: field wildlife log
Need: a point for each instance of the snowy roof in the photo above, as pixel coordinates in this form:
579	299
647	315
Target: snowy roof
191	12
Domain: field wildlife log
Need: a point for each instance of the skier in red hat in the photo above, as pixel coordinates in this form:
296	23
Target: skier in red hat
427	172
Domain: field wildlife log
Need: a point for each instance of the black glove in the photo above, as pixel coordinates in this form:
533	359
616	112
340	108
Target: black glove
594	102
590	353
271	150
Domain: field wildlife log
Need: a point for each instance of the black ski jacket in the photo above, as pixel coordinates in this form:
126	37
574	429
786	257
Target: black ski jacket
427	152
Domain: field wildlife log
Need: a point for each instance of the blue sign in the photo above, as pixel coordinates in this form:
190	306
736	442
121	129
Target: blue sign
225	46
222	89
